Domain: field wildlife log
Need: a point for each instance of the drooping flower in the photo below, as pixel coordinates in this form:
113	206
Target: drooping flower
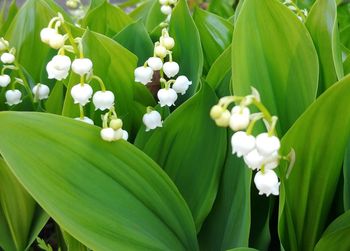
13	97
267	182
239	118
56	41
5	80
46	34
167	97
181	84
266	145
253	159
155	63
41	91
81	94
167	42
125	135
58	67
242	143
108	134
166	9
171	69
103	100
152	120
224	119
81	66
160	51
7	58
143	74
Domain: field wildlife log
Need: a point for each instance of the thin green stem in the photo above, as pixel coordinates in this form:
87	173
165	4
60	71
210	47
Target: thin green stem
100	81
81	110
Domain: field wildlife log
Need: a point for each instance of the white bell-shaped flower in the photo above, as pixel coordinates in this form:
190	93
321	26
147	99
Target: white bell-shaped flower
271	161
239	118
171	69
242	143
13	97
160	51
7	58
267	182
152	120
266	144
118	134
125	135
103	100
253	159
167	42
143	74
58	67
167	97
216	111
41	91
46	34
81	94
81	66
108	134
85	120
5	80
166	9
181	84
155	63
224	119
4	44
56	41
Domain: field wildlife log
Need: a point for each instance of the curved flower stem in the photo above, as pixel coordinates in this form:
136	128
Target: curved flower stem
70	38
100	81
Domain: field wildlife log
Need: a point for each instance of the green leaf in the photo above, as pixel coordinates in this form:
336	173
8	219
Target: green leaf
243	249
142	47
19	223
24	34
336	236
215	34
11	13
222	8
273	52
141	11
111	19
323	27
109	196
154	17
184	148
72	244
190	58
228	223
307	195
346	175
347	65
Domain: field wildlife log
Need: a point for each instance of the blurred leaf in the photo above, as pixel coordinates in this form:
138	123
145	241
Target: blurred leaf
336	236
215	34
20	217
345	36
346	175
190	58
142	47
109	196
175	147
243	249
11	13
141	11
111	19
323	27
343	14
223	8
154	17
273	52
347	65
307	195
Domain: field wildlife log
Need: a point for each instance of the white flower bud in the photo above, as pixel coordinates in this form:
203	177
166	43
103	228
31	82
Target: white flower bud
116	124
267	182
46	34
86	120
13	97
271	162
81	94
118	134
56	41
216	111
181	84
242	143
155	63
163	2
254	160
4	44
125	135
166	9
7	58
224	119
152	120
103	100
81	66
72	4
266	144
167	42
172	1
239	118
58	67
41	91
143	74
171	69
167	97
5	80
160	51
108	134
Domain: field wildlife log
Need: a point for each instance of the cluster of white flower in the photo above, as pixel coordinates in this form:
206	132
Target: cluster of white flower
59	68
167	7
301	13
259	152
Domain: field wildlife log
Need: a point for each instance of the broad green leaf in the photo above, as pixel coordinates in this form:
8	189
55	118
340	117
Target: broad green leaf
141	11
95	3
346	175
72	244
185	33
106	19
54	103
336	236
323	27
243	249
109	196
11	13
24	34
345	36
273	52
184	148
215	34
343	14
222	8
142	47
154	17
307	195
347	65
228	223
19	222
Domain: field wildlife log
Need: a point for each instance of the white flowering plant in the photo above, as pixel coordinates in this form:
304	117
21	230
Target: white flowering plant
175	125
